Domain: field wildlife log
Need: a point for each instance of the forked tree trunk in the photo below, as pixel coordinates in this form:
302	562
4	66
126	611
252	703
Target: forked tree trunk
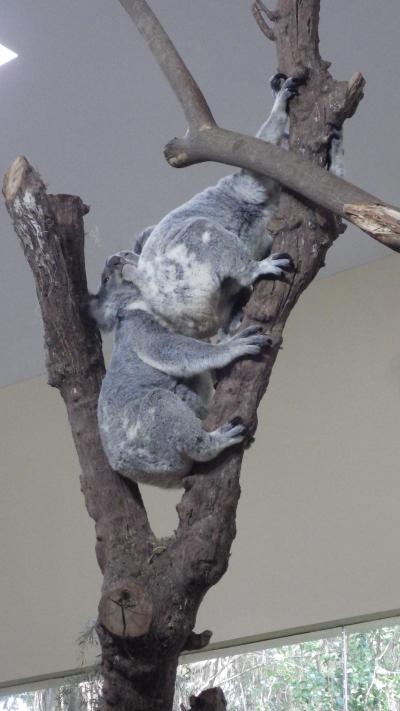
152	590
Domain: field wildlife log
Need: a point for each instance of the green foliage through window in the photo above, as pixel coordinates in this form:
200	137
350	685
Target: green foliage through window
311	675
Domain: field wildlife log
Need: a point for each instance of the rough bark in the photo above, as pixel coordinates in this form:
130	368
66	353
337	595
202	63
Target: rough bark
152	589
208	700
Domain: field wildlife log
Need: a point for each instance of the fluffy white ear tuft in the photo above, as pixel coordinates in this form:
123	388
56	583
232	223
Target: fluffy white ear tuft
129	273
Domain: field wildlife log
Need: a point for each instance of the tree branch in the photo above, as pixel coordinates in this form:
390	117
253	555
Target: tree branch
188	93
258	9
51	233
206	141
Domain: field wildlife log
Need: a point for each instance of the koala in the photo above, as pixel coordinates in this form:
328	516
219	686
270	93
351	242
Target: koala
194	265
191	266
148	412
335	153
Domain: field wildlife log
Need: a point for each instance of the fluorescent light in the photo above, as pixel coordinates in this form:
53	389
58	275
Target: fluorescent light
6	55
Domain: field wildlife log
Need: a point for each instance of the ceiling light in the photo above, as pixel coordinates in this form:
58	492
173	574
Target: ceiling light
6	55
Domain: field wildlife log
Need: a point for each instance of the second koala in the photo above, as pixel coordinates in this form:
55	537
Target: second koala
148	412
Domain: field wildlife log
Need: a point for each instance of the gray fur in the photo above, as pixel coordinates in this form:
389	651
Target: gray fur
148	411
336	152
191	266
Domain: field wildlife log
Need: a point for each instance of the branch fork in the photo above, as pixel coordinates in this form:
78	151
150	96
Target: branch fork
259	10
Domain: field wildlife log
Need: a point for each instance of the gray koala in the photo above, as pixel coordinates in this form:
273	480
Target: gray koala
192	265
148	412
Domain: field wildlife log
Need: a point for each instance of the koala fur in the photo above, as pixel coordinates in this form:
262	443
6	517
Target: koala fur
148	411
191	266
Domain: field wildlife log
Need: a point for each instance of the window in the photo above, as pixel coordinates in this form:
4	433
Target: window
355	668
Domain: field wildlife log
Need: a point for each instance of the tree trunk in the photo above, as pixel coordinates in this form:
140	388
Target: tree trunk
208	700
151	589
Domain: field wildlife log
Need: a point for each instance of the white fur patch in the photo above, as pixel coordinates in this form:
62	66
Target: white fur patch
136	305
131	432
194	272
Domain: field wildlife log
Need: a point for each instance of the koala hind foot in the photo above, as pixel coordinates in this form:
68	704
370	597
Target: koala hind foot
232	432
207	445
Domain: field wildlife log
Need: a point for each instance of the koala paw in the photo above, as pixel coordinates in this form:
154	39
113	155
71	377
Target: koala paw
291	87
285	88
234	431
276	82
250	341
336	133
283	260
276	264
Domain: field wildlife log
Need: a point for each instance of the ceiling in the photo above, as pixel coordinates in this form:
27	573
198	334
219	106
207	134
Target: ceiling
87	105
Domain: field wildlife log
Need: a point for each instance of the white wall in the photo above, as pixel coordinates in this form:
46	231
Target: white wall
318	523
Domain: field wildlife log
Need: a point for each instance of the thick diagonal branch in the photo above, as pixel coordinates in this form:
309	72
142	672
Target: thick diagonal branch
195	107
205	141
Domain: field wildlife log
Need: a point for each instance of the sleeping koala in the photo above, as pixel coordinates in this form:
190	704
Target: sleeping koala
192	265
147	411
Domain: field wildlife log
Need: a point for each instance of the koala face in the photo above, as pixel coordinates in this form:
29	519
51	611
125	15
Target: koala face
115	291
112	278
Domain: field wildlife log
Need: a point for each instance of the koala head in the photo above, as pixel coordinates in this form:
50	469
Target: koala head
116	290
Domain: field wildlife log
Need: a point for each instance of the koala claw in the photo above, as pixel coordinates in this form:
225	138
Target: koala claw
249	331
277	81
336	132
235	421
234	430
291	86
255	331
283	260
285	88
250	341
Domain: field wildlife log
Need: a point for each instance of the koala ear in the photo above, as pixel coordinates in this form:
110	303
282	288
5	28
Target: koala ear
129	273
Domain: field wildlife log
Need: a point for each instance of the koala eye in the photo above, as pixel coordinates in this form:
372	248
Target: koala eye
106	279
